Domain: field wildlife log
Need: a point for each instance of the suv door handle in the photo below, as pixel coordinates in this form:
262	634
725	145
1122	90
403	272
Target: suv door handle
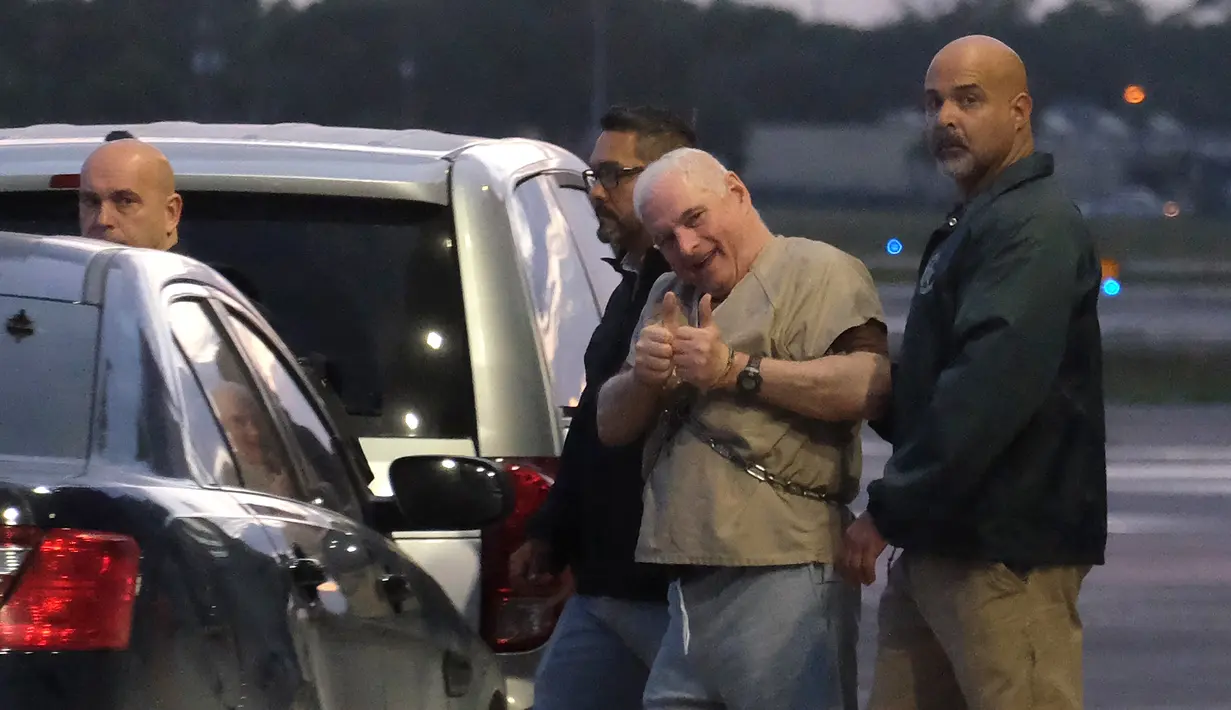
306	575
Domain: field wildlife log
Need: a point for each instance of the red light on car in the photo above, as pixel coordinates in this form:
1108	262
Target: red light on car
513	621
67	590
66	182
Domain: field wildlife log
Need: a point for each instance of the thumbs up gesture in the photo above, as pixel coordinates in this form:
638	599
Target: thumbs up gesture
701	356
653	365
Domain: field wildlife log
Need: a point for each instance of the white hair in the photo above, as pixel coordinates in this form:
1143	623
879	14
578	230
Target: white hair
695	168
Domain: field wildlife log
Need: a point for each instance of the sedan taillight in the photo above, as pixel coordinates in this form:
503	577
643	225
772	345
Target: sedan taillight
66	590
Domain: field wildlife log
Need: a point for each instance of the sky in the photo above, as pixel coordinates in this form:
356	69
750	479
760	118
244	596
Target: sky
870	13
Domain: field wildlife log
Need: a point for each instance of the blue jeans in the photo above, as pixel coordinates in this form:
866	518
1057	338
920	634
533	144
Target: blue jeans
763	638
600	655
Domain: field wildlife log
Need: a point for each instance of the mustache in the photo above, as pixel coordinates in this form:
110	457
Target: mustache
942	140
604	212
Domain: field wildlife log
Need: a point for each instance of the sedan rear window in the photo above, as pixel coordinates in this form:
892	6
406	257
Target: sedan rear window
47	382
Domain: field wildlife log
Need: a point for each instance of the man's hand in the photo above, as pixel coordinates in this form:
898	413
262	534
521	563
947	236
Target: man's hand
530	566
700	355
861	547
653	366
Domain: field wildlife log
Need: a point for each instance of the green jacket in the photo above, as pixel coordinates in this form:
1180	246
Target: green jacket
996	419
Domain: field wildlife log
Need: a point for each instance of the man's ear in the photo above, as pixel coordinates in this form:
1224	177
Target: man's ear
736	187
1022	107
175	209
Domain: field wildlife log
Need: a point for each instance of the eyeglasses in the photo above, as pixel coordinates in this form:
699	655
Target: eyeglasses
609	175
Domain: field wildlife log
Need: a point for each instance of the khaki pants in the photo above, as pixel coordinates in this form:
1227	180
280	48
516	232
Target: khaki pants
975	636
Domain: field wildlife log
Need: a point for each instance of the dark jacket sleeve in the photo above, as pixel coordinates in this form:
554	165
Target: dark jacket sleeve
555	521
884	425
1010	332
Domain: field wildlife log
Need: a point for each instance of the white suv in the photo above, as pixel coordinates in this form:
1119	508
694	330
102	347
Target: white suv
445	286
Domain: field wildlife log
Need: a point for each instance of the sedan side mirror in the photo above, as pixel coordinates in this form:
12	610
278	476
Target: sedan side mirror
450	492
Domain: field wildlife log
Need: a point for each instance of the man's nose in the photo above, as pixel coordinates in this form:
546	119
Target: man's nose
598	194
947	115
687	240
106	214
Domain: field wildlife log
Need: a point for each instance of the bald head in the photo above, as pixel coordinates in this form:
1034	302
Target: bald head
994	60
128	196
978	103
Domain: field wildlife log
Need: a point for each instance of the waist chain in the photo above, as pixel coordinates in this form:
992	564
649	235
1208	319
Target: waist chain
755	470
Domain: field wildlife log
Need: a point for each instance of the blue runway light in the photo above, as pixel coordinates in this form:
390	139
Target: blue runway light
1111	287
894	247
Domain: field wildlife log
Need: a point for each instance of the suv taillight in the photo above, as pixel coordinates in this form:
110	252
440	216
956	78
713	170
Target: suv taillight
512	621
66	590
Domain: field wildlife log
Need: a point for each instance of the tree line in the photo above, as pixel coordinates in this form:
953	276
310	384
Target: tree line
502	67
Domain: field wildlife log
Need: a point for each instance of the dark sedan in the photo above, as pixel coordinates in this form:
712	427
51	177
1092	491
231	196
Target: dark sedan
183	526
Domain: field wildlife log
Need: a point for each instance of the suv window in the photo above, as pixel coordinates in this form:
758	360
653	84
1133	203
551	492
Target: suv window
372	285
46	391
578	210
565	310
263	462
328	481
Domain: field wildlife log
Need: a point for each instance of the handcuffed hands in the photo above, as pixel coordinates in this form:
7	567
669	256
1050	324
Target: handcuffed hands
674	352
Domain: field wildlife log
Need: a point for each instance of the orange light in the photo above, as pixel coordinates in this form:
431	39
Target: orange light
1171	209
1134	94
1111	269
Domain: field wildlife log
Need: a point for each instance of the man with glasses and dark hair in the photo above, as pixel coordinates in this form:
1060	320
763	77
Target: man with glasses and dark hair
632	138
611	629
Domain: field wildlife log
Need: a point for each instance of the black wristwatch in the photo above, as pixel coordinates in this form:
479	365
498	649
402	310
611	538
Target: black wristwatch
748	381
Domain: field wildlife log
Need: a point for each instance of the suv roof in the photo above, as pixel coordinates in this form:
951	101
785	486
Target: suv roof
286	158
425	142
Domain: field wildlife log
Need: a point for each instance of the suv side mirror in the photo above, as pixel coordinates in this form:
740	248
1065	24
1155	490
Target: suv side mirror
450	492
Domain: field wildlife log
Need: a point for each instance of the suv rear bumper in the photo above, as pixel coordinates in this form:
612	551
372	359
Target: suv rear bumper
519	670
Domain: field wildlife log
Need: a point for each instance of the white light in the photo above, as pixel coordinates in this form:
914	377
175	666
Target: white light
11	515
412	421
42	490
449	463
448	243
435	340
